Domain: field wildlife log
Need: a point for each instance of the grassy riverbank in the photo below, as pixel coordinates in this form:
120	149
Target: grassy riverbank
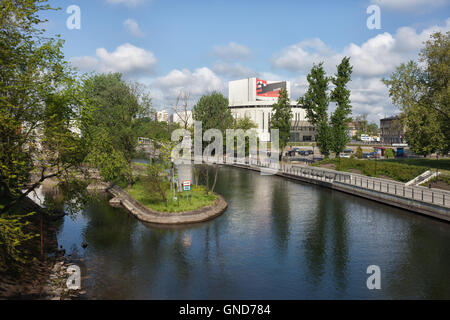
197	198
396	170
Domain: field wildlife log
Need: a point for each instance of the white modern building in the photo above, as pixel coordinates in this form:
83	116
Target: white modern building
183	117
254	98
162	116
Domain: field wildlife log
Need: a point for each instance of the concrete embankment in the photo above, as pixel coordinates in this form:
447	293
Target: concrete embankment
148	215
434	204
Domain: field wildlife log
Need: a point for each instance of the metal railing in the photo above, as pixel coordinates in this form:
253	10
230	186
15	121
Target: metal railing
398	189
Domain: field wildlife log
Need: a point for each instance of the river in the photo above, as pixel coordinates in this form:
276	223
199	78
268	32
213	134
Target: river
278	239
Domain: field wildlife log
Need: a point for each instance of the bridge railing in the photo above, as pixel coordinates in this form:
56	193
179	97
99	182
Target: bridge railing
440	198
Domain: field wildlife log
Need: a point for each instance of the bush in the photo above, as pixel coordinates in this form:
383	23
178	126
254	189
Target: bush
389	154
397	171
359	152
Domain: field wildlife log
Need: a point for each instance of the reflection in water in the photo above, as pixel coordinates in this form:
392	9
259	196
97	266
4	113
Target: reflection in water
278	239
315	242
280	211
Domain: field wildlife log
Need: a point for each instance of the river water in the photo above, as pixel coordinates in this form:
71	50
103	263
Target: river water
278	239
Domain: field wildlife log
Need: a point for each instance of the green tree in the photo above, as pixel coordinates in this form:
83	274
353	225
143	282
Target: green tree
38	95
245	124
340	117
316	101
110	123
157	173
423	96
281	119
372	129
362	124
156	130
359	152
212	110
12	238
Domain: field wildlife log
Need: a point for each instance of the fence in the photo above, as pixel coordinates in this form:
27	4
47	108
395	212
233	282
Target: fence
440	198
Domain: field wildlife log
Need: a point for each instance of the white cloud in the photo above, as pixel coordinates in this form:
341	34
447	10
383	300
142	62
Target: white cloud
375	58
232	51
233	71
127	59
198	82
301	56
129	3
133	27
409	5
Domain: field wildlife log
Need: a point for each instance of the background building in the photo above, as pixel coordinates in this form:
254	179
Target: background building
352	129
392	130
254	98
183	117
162	116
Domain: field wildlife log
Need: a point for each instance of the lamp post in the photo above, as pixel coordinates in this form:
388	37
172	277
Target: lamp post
376	156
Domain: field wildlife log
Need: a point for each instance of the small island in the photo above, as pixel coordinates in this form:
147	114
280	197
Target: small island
155	197
194	199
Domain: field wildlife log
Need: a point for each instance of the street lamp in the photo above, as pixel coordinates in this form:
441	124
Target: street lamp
376	156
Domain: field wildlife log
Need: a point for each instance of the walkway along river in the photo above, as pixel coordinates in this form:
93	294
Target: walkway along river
278	239
433	203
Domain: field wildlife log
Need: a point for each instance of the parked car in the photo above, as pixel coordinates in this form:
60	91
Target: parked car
345	155
348	151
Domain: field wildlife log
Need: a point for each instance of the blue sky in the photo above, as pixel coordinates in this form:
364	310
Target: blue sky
197	46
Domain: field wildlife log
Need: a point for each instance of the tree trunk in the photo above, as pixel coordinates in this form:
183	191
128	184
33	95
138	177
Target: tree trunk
196	174
215	178
207	180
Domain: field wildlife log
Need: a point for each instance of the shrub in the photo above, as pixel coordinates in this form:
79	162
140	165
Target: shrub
359	152
389	154
397	171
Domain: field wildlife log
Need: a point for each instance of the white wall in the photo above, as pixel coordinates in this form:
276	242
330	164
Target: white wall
238	92
260	116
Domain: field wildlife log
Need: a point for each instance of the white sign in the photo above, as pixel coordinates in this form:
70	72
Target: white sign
187	185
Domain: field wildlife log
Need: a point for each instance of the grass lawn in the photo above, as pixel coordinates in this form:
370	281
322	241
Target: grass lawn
425	162
396	170
197	198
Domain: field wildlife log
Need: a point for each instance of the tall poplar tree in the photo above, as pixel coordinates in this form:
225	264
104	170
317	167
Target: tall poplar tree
315	102
340	117
281	119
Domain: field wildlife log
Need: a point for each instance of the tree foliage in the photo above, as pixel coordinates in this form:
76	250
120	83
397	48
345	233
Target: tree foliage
246	125
421	91
212	110
12	238
341	116
157	172
315	102
359	152
110	123
281	118
38	95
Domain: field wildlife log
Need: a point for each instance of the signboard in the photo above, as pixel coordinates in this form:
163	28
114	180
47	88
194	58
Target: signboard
186	185
269	89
